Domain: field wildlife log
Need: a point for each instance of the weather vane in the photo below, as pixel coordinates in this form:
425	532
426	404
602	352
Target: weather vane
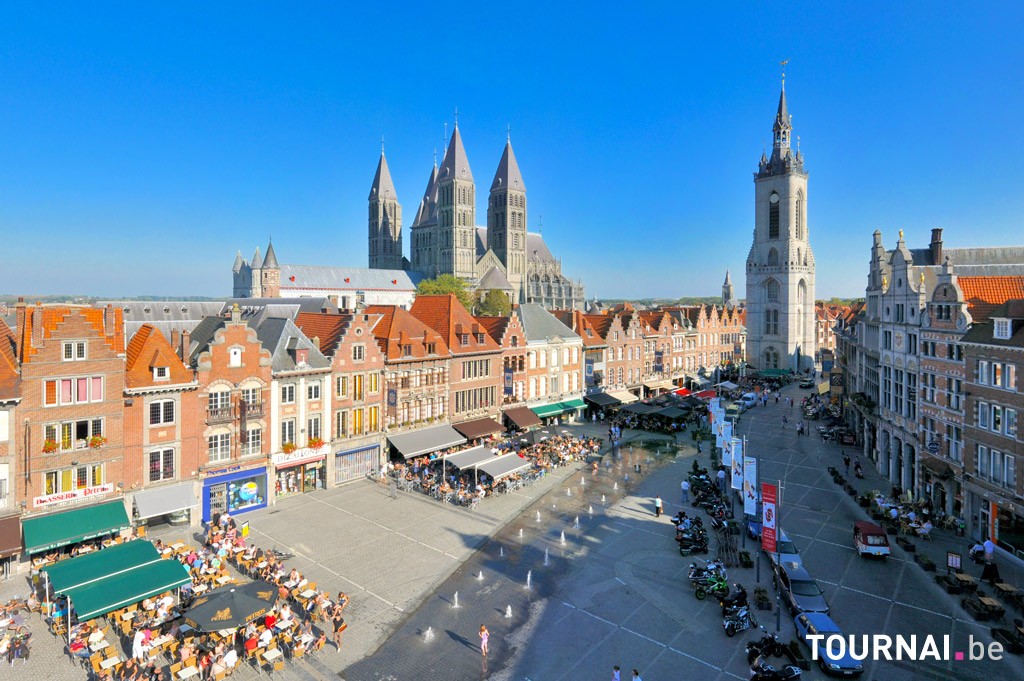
508	133
382	144
456	117
783	65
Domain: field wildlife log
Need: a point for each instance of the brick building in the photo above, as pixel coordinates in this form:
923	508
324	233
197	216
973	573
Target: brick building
10	396
554	363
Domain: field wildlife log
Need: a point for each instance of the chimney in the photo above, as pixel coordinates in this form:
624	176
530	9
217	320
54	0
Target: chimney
936	246
37	324
186	341
108	320
19	327
316	342
175	339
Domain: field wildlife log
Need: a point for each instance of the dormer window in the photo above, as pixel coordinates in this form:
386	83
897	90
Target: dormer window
480	339
161	373
1001	330
406	351
431	349
464	339
235	357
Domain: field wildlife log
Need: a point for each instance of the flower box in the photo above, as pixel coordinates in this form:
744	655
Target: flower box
288	447
97	441
49	447
315	443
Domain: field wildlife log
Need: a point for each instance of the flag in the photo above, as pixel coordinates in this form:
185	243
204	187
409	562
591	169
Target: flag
768	516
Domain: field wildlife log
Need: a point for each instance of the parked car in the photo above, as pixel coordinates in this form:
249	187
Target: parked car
807	383
787	553
748	400
870	539
800	593
732	413
820	623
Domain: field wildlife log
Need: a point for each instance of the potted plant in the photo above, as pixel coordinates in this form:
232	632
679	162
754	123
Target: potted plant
288	447
97	441
49	447
926	563
315	443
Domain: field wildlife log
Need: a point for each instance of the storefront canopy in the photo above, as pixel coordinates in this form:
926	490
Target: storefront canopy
522	417
671	412
624	396
469	458
477	428
823	388
163	500
98	565
573	405
10	536
682	392
52	531
426	440
773	373
640	408
500	466
601	399
548	410
728	385
106	595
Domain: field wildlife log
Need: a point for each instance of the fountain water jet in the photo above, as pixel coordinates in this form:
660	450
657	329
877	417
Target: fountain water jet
529	578
455	600
428	635
508	612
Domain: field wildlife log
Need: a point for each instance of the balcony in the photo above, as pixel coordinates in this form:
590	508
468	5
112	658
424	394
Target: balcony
218	415
253	409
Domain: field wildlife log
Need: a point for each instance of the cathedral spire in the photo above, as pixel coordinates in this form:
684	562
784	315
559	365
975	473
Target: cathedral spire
382	186
238	262
507	175
455	164
270	260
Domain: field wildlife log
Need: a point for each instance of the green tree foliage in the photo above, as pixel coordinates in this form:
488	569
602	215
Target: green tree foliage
445	284
494	304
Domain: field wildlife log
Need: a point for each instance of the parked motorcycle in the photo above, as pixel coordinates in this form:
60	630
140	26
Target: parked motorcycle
741	620
714	585
762	671
710	568
735	600
768	646
693	547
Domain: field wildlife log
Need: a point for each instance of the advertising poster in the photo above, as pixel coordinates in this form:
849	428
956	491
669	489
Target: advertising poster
749	485
737	463
768	516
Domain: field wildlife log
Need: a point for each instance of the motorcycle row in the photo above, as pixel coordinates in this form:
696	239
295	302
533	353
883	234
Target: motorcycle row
713	579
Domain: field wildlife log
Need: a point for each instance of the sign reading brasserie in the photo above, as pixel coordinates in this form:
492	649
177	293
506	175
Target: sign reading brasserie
73	495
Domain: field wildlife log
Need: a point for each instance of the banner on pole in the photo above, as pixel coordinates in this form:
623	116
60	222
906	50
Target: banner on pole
737	463
749	485
727	452
714	404
769	494
724	434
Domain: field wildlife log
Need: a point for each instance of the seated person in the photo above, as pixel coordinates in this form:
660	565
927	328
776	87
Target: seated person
286	614
912	516
266	637
270	620
894	513
231	658
218	667
251	644
925	529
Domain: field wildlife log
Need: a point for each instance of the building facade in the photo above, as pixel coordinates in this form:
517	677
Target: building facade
780	267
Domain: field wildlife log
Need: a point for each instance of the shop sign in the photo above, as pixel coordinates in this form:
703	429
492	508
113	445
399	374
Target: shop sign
295	457
74	495
222	471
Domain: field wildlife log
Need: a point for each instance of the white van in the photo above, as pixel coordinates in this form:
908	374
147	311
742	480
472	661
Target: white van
748	400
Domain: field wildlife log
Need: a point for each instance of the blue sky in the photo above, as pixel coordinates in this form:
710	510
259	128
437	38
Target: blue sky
142	145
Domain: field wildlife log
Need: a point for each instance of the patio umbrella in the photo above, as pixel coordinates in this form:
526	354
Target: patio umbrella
231	606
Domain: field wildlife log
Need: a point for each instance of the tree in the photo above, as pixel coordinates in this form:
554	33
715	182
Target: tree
444	284
494	304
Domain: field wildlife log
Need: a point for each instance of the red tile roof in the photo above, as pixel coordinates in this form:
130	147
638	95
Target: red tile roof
446	315
9	376
397	327
984	294
148	349
328	328
52	316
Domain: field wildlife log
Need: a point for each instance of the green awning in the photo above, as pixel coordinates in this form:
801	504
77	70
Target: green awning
548	410
106	595
773	373
52	531
92	567
572	405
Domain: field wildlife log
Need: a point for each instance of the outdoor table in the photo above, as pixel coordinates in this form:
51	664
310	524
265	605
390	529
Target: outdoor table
177	545
187	672
964	579
260	565
272	655
99	645
110	662
4	623
989	602
222	580
1006	589
238	549
308	593
283	625
290	584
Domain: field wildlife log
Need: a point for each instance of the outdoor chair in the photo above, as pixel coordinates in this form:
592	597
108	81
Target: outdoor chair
278	666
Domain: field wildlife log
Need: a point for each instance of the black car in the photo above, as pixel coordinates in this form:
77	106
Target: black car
807	383
800	593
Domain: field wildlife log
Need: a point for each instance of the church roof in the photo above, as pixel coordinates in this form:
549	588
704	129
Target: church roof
429	201
782	115
728	281
508	176
536	249
257	260
455	164
495	279
270	260
237	267
382	186
326	278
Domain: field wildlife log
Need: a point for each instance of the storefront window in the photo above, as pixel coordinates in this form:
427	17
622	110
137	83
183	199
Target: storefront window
301	478
1010	530
238	495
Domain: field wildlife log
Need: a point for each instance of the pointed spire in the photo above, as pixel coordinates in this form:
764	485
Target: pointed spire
782	121
270	261
238	262
508	176
257	259
429	199
728	282
455	164
383	187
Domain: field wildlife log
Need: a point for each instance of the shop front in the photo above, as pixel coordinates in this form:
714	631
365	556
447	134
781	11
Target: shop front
234	490
300	471
10	543
356	464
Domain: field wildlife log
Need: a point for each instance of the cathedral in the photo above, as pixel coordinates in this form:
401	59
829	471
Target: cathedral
445	237
781	331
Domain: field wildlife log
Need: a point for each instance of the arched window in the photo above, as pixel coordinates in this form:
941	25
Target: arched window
771	322
773	216
773	257
799	257
800	215
771	291
771	358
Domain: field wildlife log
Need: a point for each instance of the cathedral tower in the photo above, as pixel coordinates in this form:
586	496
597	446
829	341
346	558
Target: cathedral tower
456	212
270	275
385	220
506	220
780	266
728	298
423	252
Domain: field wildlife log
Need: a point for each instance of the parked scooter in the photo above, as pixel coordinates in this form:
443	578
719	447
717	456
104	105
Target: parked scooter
768	646
762	671
742	620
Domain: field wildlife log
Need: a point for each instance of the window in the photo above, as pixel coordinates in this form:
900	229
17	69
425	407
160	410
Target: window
235	357
357	387
887	340
67	391
1010	416
406	351
771	291
773	216
252	396
313	391
340	423
983	415
800	215
358	353
313	427
464	339
73	351
887	387
161	465
219	447
161	412
997	418
981	461
220	399
74	478
287	431
982	372
357	422
341	386
73	434
373	383
771	322
253	442
373	421
1001	330
288	393
161	373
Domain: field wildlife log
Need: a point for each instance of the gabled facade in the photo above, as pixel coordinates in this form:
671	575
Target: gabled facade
554	363
508	333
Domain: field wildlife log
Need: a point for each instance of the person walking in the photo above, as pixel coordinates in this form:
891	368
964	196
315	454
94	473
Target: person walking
990	550
846	462
615	673
721	479
338	621
657	506
685	487
636	676
484	635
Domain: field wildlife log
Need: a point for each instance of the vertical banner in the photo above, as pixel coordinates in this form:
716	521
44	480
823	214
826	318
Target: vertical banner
768	516
508	381
727	452
714	404
725	434
737	463
749	485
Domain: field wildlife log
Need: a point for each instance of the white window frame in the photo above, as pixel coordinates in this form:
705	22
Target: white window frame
254	445
162	419
74	351
161	373
287	431
218	447
313	390
162	453
288	393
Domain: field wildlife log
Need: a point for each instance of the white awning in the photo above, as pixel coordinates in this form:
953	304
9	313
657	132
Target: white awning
625	397
469	458
426	440
163	500
500	466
